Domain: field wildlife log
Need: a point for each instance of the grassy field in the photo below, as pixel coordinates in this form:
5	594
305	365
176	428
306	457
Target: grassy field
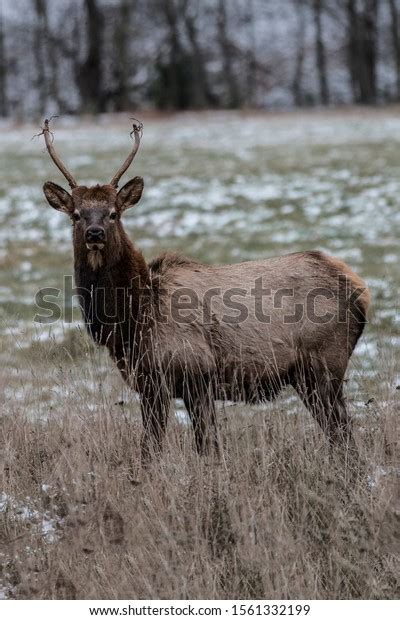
280	516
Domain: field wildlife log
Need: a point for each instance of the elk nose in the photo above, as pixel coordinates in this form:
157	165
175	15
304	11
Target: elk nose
95	233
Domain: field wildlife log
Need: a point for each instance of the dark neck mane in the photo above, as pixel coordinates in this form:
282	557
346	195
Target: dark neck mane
112	295
117	265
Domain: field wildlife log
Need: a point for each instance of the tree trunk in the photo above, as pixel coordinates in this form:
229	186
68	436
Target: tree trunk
297	82
251	56
370	21
122	71
176	87
320	53
227	57
90	73
3	71
362	49
352	47
40	54
201	93
395	42
67	48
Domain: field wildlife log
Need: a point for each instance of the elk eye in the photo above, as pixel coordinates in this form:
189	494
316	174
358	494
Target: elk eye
113	216
76	217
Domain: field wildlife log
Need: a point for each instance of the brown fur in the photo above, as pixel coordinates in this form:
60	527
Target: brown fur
211	356
252	361
357	282
95	259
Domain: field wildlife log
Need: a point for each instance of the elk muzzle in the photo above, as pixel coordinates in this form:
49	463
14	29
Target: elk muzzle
95	237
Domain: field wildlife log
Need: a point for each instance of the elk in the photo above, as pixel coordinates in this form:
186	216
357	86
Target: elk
176	329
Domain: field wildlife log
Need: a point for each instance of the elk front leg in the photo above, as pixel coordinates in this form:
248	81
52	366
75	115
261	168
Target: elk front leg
200	404
155	405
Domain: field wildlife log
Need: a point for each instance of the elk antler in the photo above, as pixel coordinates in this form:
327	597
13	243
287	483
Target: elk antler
138	132
48	136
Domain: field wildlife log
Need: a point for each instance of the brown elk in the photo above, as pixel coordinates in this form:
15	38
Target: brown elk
176	327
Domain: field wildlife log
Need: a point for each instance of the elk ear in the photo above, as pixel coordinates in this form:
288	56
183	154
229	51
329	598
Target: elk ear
130	193
58	198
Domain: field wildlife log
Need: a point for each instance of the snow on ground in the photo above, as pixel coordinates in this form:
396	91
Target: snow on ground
222	187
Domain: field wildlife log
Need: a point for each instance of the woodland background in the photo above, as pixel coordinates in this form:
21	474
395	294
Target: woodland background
95	56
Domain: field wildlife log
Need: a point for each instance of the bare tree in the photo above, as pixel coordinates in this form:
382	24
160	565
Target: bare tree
362	49
85	55
394	26
297	81
201	95
227	51
89	74
172	68
3	70
65	50
320	52
45	53
40	52
122	60
251	56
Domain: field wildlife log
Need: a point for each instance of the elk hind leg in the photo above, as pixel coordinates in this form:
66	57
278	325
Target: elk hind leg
321	391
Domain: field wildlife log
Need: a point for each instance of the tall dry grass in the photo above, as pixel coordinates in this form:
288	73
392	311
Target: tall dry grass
280	516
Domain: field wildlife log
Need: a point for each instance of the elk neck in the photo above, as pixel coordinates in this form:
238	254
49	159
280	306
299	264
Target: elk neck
119	267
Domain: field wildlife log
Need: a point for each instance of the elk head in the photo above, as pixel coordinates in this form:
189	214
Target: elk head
95	211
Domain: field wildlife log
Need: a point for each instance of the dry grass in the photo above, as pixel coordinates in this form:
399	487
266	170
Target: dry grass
280	517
